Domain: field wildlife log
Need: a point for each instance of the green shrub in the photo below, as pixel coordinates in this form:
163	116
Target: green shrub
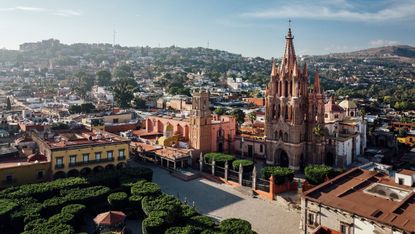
34	224
51	228
247	165
146	189
42	191
166	203
54	205
220	158
6	207
187	212
65	218
126	186
317	174
158	213
181	230
231	226
281	174
202	222
75	209
135	201
118	200
94	194
212	231
27	210
153	225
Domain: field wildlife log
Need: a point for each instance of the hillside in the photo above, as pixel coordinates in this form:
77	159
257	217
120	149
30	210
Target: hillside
402	53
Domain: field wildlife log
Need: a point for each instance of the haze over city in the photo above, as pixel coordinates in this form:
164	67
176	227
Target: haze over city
250	28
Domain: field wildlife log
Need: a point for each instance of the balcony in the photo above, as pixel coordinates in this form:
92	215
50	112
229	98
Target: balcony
91	162
59	166
121	158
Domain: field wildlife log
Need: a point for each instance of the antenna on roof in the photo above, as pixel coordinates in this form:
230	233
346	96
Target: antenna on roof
289	23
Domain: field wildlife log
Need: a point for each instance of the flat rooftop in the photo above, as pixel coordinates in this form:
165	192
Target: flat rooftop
74	138
370	194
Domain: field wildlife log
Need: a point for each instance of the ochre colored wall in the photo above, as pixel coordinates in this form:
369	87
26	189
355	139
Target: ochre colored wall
25	174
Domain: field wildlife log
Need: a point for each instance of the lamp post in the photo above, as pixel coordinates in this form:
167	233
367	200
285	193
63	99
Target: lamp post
242	147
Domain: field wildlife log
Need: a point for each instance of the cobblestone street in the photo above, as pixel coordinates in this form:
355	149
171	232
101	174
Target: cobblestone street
222	201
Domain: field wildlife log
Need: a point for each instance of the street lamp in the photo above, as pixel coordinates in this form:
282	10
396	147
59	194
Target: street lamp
242	147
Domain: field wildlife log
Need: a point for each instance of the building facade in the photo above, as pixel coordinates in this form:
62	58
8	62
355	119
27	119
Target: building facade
294	116
82	152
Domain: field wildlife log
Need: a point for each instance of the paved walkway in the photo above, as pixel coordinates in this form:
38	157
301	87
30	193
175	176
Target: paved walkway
222	201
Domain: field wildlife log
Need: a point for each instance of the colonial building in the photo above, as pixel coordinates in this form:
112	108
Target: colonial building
294	116
362	200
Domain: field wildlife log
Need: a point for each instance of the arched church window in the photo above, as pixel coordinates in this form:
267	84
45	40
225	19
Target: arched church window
286	112
280	134
285	136
352	113
291	88
286	89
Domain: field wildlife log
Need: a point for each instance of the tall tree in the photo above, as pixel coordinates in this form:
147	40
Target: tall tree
239	115
139	103
103	78
85	82
123	91
123	71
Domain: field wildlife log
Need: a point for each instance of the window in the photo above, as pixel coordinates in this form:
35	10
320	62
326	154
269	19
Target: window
121	154
109	155
261	148
85	158
97	156
344	228
310	220
326	115
115	121
40	175
9	179
72	159
401	181
59	162
336	116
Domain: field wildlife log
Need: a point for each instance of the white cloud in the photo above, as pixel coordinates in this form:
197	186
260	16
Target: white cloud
58	12
341	12
380	43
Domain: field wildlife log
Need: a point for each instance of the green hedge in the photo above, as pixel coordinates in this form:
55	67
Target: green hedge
202	223
220	158
153	225
75	209
42	191
166	203
247	165
231	226
6	208
181	230
281	174
145	189
115	178
317	174
50	228
118	201
65	218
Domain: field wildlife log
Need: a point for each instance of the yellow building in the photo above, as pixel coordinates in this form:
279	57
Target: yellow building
82	152
17	172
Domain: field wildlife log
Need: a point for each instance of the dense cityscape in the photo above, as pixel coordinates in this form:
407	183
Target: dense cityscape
106	138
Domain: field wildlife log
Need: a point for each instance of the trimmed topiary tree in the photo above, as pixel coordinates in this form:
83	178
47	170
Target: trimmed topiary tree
153	225
247	165
281	174
146	189
231	226
118	201
220	158
201	223
181	230
317	174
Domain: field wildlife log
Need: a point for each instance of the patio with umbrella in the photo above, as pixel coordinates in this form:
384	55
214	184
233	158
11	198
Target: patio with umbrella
111	220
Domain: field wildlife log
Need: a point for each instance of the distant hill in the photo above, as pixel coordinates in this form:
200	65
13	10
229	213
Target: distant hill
403	53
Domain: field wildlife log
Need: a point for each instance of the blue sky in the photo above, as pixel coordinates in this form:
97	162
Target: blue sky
250	28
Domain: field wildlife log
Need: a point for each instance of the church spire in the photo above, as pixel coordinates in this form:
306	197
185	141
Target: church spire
289	58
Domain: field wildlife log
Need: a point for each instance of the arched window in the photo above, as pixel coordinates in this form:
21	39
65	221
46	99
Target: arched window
286	112
291	88
286	89
352	113
280	134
